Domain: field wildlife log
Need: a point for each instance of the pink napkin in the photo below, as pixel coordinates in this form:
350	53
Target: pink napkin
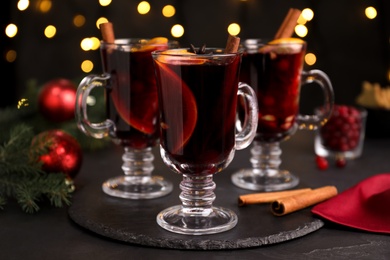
365	206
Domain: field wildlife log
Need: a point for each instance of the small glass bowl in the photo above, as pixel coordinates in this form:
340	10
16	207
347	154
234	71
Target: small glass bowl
343	135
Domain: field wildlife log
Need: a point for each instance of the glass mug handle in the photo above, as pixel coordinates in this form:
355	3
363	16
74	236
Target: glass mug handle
311	122
245	136
96	130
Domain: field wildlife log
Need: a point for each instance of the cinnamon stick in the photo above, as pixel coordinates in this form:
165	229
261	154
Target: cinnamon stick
107	31
232	44
267	197
286	29
293	203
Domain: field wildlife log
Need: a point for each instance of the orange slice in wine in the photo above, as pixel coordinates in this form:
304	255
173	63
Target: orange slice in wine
142	110
287	40
155	44
179	102
283	46
181	57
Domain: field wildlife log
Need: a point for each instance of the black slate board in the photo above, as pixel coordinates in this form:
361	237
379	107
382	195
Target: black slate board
134	221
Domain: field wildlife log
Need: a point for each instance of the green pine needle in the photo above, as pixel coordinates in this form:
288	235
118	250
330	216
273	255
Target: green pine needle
21	176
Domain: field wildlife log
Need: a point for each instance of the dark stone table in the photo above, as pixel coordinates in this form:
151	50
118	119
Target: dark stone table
53	233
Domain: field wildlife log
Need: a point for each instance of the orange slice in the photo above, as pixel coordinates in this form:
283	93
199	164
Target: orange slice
283	46
180	104
287	40
142	110
153	44
181	57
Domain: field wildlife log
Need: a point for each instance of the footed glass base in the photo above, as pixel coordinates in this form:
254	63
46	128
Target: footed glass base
265	174
137	187
247	179
176	219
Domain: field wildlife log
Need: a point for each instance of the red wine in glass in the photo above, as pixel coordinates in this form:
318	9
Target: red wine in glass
198	99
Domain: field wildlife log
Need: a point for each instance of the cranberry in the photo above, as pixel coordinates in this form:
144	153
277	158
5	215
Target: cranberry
322	162
341	162
342	131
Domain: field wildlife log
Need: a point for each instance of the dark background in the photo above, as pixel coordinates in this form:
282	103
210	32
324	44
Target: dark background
349	47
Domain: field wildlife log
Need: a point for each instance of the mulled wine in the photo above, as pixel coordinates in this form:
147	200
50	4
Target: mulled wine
275	71
132	114
198	108
197	94
131	95
275	77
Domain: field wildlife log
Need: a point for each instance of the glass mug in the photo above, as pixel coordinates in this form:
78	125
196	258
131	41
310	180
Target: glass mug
198	100
275	72
132	114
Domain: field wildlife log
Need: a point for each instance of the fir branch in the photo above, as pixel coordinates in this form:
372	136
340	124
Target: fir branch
21	176
27	197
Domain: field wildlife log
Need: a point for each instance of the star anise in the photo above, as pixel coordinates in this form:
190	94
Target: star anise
201	50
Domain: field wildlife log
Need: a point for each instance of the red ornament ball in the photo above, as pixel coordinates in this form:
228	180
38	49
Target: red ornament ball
64	152
57	99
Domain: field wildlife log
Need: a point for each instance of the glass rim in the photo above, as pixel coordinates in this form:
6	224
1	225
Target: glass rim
256	42
136	42
179	52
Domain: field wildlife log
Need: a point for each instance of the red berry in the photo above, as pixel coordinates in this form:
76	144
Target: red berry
342	131
341	162
322	163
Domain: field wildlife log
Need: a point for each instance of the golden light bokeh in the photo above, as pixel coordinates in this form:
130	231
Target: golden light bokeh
100	21
143	7
307	14
310	59
79	20
11	30
86	44
105	2
370	12
50	31
301	20
234	29
23	102
23	5
177	30
44	6
301	30
95	43
10	56
87	66
168	11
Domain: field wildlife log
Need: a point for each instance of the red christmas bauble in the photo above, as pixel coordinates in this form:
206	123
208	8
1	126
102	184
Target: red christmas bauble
64	152
57	100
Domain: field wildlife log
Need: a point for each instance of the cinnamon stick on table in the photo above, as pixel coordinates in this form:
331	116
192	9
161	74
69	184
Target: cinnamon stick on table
293	203
287	27
232	44
267	197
